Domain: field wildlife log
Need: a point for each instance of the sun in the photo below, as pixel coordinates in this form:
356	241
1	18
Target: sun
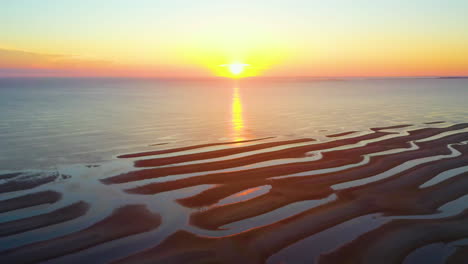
236	69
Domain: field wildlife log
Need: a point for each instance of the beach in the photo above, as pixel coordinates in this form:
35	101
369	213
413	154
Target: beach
307	176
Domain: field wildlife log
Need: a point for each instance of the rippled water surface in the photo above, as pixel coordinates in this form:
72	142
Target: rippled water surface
47	122
220	171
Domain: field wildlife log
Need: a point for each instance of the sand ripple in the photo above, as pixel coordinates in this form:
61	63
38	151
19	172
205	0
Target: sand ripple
244	203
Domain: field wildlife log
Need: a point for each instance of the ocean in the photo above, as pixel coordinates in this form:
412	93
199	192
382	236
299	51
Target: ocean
263	170
49	122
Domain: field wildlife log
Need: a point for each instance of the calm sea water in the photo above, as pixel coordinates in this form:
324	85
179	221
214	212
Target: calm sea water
47	122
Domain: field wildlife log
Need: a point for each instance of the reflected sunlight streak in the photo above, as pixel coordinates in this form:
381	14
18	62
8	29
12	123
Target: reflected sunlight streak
237	120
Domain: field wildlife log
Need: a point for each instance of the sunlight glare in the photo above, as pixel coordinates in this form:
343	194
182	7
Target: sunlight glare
237	119
236	69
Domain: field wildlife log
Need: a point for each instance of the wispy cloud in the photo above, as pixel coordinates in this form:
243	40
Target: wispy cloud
25	63
18	63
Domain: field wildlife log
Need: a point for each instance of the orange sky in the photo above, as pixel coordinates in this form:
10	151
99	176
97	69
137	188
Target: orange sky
183	38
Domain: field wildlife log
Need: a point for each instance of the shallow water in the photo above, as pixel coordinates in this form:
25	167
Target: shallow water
49	122
287	199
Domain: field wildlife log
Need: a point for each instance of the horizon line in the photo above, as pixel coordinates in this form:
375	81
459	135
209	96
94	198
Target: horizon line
245	78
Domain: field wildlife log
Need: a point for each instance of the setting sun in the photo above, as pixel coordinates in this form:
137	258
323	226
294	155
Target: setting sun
234	131
235	69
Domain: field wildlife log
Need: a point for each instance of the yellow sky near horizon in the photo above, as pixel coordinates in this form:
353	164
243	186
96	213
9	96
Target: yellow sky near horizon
275	38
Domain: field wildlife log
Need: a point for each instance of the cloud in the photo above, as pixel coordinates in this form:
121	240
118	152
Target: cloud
18	63
25	63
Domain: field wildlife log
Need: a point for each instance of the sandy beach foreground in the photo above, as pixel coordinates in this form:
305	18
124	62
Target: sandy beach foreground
383	195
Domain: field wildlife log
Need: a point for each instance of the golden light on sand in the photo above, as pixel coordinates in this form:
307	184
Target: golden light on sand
246	192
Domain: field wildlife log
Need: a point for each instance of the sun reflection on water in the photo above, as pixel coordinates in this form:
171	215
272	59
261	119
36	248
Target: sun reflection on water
237	120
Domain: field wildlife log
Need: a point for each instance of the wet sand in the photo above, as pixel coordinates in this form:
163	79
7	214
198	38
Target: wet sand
158	152
20	181
57	216
395	195
398	238
379	173
125	221
342	134
378	197
435	122
294	152
459	256
29	200
330	159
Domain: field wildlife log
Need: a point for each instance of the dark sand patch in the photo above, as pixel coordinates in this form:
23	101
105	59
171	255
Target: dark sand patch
125	221
460	256
396	195
293	152
286	191
166	151
330	159
158	144
10	175
392	242
342	134
435	122
195	250
214	218
390	127
28	200
27	181
345	157
214	194
58	216
214	154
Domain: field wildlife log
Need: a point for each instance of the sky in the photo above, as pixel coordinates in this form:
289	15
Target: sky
188	38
